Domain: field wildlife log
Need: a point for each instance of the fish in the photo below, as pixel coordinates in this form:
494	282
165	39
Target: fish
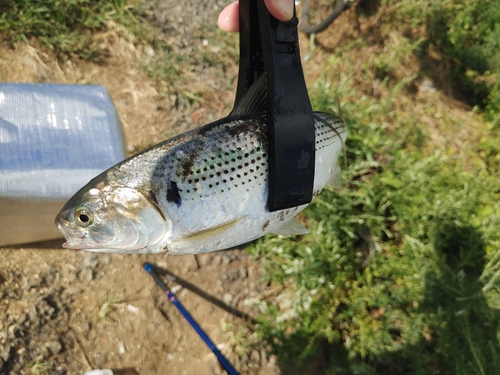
201	191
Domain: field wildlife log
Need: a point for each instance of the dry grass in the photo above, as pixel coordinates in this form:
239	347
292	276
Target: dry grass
366	53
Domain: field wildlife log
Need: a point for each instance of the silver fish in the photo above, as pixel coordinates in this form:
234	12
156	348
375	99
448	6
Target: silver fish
201	191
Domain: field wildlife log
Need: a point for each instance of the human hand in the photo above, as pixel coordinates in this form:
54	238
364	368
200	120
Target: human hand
279	9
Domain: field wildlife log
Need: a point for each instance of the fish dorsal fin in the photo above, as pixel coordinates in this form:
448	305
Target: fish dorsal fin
291	227
254	100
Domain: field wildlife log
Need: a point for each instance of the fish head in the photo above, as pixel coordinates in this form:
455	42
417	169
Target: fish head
114	220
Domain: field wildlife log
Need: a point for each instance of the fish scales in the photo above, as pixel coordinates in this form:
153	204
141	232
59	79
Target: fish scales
202	172
202	191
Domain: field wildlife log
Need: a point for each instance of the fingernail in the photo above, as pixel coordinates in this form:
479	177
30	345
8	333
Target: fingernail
286	7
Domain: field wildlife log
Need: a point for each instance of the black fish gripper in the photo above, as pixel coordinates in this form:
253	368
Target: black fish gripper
270	46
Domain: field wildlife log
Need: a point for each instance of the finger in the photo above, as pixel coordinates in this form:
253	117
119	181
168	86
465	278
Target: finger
229	18
280	9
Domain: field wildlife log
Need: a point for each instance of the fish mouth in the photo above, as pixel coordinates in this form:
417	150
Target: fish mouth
74	243
74	239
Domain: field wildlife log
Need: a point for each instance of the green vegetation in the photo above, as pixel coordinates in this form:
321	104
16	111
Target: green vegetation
79	28
401	271
109	305
67	27
168	66
40	367
467	35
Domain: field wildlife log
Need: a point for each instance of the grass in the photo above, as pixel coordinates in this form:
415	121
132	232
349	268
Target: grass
466	32
240	341
426	301
111	304
80	29
425	197
68	27
168	68
40	367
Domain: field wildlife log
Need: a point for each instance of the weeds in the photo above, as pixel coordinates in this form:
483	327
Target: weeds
240	340
168	66
68	27
422	299
109	305
467	34
40	367
165	69
400	273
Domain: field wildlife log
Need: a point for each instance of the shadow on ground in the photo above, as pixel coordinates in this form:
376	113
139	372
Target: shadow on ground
461	337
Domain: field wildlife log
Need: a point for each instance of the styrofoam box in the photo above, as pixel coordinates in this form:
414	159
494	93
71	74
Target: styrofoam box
53	140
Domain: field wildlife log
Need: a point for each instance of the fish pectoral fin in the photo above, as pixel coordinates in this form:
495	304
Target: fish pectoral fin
208	234
290	228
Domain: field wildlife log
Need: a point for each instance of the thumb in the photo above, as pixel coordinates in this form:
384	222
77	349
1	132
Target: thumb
280	9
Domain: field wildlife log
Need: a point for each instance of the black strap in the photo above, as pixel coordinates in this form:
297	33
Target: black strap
271	46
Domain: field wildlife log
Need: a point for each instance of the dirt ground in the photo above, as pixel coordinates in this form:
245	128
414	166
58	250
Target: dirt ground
66	312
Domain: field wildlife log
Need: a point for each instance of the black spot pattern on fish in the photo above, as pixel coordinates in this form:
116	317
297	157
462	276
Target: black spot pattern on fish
230	163
218	159
173	195
326	133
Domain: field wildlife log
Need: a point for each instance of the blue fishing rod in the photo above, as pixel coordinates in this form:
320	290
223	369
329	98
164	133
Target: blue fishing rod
171	297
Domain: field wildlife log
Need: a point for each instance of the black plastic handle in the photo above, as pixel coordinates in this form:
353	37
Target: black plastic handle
272	46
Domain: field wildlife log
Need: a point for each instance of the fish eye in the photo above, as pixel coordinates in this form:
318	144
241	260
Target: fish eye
83	216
